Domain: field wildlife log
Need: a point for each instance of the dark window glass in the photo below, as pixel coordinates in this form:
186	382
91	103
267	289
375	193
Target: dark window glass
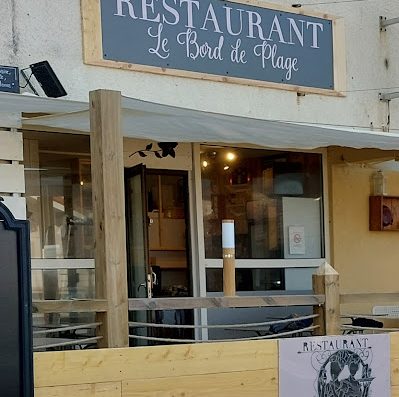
270	195
247	279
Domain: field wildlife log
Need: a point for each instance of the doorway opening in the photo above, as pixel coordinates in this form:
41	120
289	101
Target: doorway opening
158	248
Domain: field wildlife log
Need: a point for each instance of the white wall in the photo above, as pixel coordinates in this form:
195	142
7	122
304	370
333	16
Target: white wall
34	30
12	180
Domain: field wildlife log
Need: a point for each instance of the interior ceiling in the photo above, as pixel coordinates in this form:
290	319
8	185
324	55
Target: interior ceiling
60	142
163	123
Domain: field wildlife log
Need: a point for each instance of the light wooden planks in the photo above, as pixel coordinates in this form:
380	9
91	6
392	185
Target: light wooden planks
112	389
91	28
319	288
238	369
113	365
11	147
106	144
326	280
12	178
69	306
375	298
225	302
339	45
229	271
237	384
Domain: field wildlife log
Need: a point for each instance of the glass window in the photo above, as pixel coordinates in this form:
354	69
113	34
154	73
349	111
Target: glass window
274	197
247	280
59	208
59	195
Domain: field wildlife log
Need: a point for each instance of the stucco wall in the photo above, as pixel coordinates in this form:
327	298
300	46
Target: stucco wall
367	261
34	30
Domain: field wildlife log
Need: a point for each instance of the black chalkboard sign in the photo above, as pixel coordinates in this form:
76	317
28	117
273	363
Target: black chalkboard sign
16	357
9	79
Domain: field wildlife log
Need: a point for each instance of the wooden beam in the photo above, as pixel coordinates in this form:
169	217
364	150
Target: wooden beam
374	298
69	306
109	215
225	302
328	279
319	288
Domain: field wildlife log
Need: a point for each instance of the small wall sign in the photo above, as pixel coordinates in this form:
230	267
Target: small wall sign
296	236
350	365
232	41
9	79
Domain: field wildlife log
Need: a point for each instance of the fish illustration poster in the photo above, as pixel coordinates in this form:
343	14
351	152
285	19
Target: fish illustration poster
337	366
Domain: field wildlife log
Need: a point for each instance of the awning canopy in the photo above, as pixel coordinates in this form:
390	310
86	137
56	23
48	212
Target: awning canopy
163	123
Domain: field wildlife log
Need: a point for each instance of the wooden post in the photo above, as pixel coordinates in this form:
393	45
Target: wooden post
229	268
326	282
109	215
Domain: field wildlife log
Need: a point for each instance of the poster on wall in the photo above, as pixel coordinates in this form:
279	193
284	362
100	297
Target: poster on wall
217	40
336	366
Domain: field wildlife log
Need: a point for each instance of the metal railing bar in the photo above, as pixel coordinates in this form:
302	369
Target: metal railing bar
67	328
273	336
135	324
69	343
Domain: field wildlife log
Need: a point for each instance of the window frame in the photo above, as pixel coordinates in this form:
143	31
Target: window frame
259	263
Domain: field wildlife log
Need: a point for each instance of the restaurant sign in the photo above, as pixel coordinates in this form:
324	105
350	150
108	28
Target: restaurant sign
219	40
342	366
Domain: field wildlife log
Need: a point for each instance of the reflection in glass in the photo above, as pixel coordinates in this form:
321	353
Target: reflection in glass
251	187
59	195
247	280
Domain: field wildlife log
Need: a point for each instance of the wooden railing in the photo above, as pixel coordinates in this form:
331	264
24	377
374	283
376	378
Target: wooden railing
70	306
325	300
64	335
225	302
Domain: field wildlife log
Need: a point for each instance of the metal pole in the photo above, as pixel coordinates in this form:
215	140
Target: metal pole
384	22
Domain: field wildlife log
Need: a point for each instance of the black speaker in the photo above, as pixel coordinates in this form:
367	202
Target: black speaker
47	79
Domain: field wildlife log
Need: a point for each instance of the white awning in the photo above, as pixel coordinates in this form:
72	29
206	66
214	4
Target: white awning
163	123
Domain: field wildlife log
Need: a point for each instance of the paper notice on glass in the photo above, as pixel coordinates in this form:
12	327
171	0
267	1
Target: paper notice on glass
296	236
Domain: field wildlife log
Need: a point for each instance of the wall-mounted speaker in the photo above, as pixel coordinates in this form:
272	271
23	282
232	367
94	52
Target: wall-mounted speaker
48	80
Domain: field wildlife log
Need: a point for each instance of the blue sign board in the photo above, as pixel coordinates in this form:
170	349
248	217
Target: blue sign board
222	38
9	79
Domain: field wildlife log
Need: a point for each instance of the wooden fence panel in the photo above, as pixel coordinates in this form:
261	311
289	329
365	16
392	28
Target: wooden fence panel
236	369
229	384
112	389
112	365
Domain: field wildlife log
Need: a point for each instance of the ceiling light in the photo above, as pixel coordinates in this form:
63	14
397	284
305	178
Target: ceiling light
231	156
226	167
205	164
